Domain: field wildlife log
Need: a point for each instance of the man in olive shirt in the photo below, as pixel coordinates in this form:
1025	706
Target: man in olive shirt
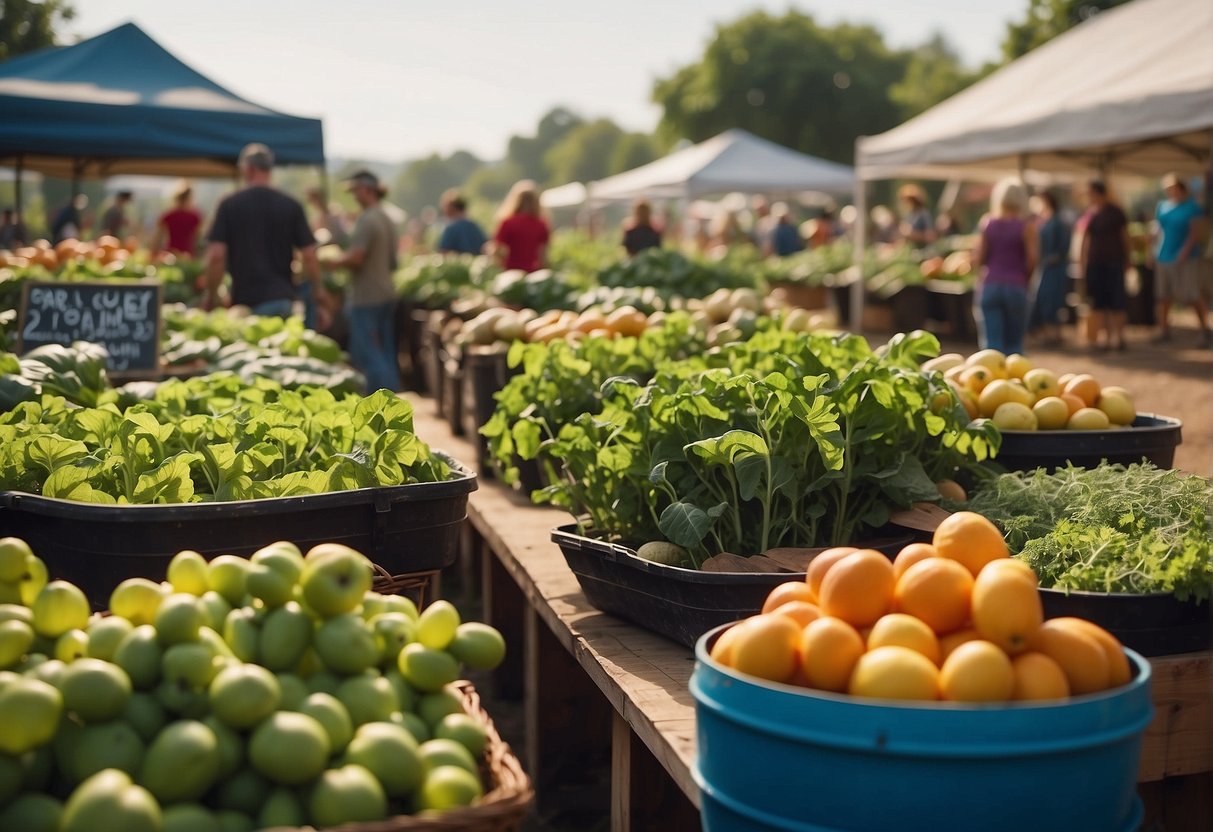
371	259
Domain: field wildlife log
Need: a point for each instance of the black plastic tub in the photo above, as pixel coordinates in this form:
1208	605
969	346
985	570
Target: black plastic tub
680	604
433	354
1151	437
452	393
484	374
1157	624
403	528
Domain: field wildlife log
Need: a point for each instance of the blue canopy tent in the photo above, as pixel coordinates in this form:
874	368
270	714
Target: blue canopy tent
119	103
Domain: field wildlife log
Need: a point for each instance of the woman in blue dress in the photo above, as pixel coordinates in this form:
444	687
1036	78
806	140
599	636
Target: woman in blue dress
1054	272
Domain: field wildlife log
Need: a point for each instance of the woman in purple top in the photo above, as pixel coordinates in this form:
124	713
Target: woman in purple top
1006	255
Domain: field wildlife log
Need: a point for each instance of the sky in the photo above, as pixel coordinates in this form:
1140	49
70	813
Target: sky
398	80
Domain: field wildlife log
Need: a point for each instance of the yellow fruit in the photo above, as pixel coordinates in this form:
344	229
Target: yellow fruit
1052	413
894	673
802	612
900	630
938	592
948	643
790	591
999	392
1014	416
1073	402
975	379
1064	379
1118	407
977	671
911	555
722	650
951	490
1014	567
766	647
858	589
943	363
970	539
1085	387
1089	418
1038	677
1042	383
991	359
1079	654
829	649
1018	366
1119	672
821	563
1006	608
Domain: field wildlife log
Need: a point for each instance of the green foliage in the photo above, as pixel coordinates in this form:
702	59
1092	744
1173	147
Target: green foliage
423	181
28	25
584	154
671	272
934	72
1045	20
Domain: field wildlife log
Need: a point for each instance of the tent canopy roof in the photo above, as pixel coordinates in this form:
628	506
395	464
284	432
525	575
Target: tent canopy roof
1130	90
733	161
120	103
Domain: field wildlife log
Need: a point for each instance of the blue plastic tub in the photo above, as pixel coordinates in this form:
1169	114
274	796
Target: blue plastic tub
775	757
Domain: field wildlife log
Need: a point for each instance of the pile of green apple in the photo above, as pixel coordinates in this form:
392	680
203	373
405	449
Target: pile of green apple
239	694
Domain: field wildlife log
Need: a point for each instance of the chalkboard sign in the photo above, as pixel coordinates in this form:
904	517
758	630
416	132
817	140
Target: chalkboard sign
123	315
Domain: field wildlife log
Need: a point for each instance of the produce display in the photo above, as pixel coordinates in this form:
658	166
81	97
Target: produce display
213	438
1020	396
1114	528
954	620
77	373
277	691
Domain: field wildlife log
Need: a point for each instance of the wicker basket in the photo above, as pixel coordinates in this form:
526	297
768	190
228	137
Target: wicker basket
415	585
500	810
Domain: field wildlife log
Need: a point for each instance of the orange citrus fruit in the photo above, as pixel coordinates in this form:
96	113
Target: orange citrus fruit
1079	654
766	647
858	589
951	641
1119	672
1006	608
1083	386
937	591
722	650
977	671
970	539
901	630
821	563
894	673
790	591
911	555
829	648
1038	677
802	612
1074	403
1012	567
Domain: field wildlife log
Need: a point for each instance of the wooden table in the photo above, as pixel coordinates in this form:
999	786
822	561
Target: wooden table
631	694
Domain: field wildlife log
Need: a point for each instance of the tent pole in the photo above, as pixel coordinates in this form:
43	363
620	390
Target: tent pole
860	239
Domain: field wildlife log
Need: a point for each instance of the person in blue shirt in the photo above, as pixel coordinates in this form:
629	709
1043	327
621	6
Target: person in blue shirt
785	237
461	235
1177	276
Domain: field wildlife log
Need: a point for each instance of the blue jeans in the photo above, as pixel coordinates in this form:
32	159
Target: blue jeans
1002	317
304	291
282	308
373	345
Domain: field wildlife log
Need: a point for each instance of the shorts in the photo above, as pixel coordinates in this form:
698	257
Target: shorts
1106	286
1178	281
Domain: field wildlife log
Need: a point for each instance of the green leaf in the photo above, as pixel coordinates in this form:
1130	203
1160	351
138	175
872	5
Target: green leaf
168	482
684	524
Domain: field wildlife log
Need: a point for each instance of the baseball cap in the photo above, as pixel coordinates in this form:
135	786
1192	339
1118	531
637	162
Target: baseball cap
366	178
257	155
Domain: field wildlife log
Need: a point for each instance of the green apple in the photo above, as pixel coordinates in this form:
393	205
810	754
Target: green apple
392	631
10	593
95	748
464	730
35	579
334	579
390	753
145	714
432	707
15	639
43	669
289	748
346	644
193	664
214	609
178	619
95	690
136	600
400	603
139	654
187	572
349	794
329	711
189	817
232	821
240	631
17	612
281	809
426	669
373	604
286	633
447	787
109	802
437	624
215	643
442	752
294	691
242	695
324	682
104	636
414	724
59	607
71	645
477	645
226	575
368	698
231	747
14	554
309	665
405	695
273	573
12	777
244	791
39	769
29	713
182	699
182	762
32	813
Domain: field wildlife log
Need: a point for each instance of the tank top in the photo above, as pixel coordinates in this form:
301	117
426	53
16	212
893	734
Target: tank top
1006	253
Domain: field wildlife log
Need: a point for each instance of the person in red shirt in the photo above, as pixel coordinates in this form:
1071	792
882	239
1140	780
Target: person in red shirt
177	228
522	237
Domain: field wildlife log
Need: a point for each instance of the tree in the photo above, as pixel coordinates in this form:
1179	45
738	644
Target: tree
789	79
423	181
584	154
526	153
1046	19
631	151
492	182
933	73
27	25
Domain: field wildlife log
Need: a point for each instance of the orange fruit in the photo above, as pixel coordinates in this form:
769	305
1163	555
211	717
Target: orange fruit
1006	607
1038	677
821	563
1079	654
1085	387
911	555
937	591
1073	402
951	641
722	650
829	648
1012	567
975	379
766	647
790	591
802	612
1119	672
901	630
977	671
970	539
894	673
858	589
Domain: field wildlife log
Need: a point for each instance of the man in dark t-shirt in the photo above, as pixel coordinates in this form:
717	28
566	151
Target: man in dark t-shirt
254	236
1104	259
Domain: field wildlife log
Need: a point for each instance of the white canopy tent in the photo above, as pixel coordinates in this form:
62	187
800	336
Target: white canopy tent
564	196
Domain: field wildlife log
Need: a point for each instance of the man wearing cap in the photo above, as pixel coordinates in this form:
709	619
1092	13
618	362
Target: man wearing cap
371	258
254	235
